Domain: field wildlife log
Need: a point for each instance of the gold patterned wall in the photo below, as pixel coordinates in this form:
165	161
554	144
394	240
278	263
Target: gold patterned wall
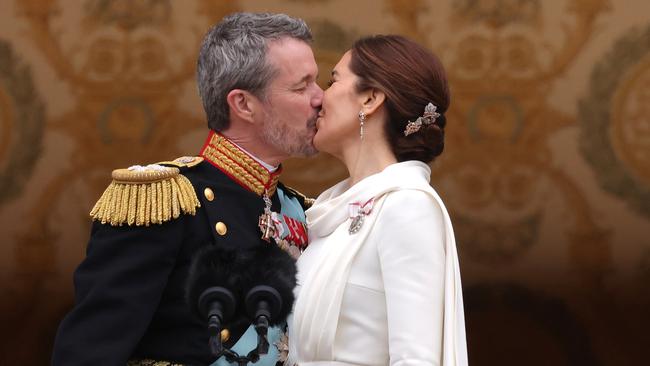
546	171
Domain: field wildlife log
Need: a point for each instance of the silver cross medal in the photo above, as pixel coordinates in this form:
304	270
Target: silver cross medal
266	221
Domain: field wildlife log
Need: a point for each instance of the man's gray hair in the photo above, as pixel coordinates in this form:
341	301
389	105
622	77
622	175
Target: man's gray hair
233	56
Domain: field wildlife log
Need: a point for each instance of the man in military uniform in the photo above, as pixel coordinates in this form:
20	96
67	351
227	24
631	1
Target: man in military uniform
257	80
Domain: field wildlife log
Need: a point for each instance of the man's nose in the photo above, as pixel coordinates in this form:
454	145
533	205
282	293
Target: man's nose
317	99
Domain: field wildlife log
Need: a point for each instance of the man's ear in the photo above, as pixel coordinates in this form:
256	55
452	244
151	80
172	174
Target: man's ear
372	99
243	104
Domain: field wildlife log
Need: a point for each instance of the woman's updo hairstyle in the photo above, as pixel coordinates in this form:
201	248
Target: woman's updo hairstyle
411	77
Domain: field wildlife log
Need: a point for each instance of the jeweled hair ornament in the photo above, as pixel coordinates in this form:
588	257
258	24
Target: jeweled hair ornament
428	118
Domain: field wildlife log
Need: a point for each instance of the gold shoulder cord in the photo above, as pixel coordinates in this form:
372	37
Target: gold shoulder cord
145	196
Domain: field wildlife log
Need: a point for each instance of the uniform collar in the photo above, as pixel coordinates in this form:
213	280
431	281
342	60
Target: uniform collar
239	165
268	167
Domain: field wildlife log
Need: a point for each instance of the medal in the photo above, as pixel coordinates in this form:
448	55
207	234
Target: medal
267	227
288	233
356	223
358	212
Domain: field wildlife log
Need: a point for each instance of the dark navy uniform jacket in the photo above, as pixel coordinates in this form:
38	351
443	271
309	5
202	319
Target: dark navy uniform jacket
130	289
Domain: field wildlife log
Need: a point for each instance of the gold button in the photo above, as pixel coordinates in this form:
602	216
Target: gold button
225	335
222	229
208	194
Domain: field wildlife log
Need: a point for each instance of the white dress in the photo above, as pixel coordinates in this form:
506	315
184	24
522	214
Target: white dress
389	294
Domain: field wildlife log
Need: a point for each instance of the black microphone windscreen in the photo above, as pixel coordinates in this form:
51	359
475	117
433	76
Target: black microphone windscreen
273	267
214	266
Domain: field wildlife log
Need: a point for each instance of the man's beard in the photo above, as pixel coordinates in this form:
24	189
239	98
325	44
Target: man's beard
292	141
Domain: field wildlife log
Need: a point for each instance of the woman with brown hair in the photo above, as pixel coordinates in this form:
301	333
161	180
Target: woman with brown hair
380	283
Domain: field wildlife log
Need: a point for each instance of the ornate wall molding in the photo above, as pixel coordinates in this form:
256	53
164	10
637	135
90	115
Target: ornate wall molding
22	122
614	122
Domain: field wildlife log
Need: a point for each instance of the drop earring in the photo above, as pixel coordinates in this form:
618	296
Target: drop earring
362	119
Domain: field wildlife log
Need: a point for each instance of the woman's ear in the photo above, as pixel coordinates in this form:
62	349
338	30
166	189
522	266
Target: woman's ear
243	105
372	100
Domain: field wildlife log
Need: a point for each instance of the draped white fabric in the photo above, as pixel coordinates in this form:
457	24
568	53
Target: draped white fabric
387	294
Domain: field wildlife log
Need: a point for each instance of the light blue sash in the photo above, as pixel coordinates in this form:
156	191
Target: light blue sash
291	207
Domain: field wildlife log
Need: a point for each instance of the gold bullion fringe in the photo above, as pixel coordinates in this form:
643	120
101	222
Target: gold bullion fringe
145	203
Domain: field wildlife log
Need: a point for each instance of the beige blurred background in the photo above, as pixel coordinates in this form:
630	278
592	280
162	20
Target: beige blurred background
546	171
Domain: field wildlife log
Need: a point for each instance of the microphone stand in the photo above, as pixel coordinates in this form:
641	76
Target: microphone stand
262	328
218	304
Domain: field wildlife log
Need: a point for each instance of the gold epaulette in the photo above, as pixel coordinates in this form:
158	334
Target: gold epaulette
145	195
307	200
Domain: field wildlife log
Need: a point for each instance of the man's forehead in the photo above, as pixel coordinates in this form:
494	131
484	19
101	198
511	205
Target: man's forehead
292	56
